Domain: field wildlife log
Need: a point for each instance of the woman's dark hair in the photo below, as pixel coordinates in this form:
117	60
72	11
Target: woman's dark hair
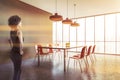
14	20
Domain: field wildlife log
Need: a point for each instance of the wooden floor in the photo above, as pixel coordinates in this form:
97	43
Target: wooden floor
106	67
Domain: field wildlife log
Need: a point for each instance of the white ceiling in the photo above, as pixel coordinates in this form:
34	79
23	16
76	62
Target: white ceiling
83	7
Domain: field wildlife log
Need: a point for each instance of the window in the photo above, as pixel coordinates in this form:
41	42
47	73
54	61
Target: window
99	28
102	30
90	29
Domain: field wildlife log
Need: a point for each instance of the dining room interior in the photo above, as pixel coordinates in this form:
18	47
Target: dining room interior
63	39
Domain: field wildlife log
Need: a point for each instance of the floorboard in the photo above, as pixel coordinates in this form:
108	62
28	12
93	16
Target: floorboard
106	67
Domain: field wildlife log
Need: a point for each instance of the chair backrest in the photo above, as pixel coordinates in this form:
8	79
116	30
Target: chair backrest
89	50
36	49
93	50
50	50
39	49
83	51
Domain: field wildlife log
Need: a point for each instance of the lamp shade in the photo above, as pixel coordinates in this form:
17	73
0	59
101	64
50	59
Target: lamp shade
56	17
67	21
75	24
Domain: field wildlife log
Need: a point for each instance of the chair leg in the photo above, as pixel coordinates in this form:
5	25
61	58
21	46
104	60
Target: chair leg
42	58
68	64
74	65
94	56
87	61
91	58
59	55
80	65
35	58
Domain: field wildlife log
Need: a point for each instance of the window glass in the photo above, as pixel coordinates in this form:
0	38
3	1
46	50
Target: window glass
54	32
99	28
110	27
66	32
118	27
110	47
103	31
59	31
73	34
81	30
99	47
118	48
90	29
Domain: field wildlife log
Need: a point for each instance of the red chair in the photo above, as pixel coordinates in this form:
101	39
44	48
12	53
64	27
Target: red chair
88	54
78	57
93	51
42	56
58	52
50	50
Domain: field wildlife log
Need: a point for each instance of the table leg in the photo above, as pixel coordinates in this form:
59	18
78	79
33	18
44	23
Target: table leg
38	60
64	60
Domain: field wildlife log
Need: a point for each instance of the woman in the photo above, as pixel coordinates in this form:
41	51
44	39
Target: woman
16	42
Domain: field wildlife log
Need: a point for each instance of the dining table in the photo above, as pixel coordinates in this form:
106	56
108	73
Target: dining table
65	49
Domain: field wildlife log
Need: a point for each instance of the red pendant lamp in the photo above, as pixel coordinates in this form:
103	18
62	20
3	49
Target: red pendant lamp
56	17
75	24
67	20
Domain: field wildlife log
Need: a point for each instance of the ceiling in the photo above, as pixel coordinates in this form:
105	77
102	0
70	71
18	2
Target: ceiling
83	7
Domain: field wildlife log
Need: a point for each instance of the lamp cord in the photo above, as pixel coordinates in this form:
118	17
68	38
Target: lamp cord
56	6
67	8
74	10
